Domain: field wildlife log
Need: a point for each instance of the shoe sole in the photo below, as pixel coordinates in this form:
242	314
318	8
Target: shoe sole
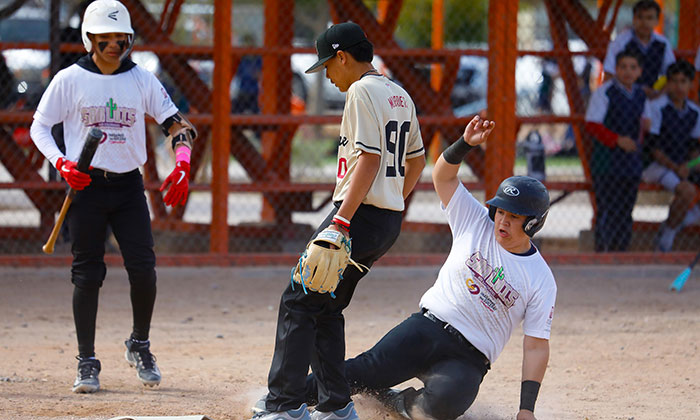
133	365
85	389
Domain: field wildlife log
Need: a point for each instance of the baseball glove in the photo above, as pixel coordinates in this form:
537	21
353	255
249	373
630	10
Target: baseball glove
321	267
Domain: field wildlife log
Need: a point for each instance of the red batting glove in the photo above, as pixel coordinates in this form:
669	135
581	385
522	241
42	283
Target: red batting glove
179	184
69	171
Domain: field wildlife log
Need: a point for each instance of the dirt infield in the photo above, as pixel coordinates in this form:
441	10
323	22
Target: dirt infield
623	347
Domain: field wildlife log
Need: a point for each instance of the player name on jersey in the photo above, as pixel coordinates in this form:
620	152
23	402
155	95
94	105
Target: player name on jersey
397	101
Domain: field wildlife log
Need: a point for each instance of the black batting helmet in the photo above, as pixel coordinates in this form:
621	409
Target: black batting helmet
525	196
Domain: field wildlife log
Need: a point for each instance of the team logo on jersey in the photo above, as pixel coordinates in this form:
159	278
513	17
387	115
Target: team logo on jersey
110	115
511	191
492	281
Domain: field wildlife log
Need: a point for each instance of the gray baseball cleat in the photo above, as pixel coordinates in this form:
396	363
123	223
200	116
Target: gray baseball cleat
139	356
259	406
346	413
300	413
87	381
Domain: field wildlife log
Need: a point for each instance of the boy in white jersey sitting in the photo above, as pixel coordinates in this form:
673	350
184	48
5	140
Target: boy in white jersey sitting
493	279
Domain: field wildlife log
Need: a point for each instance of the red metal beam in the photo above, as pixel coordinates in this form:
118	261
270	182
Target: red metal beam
405	260
501	95
221	146
557	26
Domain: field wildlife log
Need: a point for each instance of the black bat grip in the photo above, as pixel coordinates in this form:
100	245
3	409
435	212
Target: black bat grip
91	142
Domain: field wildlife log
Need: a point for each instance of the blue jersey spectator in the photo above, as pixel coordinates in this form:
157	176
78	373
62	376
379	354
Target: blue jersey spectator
614	118
655	51
673	136
247	81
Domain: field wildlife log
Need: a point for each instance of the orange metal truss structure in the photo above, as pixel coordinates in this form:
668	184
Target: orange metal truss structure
270	169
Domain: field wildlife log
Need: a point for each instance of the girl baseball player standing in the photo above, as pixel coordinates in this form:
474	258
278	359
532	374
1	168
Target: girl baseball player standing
105	89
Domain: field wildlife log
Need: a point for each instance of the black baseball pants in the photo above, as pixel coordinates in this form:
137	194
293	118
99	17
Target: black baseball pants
311	326
117	201
451	370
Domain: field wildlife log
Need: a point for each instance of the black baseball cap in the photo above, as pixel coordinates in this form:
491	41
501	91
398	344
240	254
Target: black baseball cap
338	37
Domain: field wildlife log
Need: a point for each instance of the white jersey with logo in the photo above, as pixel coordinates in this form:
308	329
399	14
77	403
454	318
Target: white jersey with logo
485	291
114	103
379	118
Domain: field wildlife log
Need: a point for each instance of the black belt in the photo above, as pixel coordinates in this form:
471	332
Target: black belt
99	173
455	333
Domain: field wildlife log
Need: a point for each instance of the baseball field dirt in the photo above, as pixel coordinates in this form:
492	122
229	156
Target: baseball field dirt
622	347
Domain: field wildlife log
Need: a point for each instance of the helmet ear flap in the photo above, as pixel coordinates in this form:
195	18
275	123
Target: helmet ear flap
533	224
492	212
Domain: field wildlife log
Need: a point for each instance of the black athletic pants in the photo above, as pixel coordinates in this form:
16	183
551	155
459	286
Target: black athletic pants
117	201
615	196
450	368
311	327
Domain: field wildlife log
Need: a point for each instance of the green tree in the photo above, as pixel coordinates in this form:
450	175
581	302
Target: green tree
465	22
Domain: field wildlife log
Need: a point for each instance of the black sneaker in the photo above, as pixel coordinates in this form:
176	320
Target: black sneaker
88	380
397	400
139	356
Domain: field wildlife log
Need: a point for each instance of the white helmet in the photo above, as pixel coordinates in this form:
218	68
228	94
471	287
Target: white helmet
107	16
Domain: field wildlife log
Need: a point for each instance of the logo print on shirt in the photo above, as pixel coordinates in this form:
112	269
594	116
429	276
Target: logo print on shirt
492	280
110	115
511	191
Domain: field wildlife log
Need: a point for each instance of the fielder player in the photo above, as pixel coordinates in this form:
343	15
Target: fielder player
105	89
380	158
493	279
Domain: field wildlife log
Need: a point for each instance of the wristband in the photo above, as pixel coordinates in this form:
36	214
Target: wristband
528	395
342	219
183	154
693	163
456	152
341	222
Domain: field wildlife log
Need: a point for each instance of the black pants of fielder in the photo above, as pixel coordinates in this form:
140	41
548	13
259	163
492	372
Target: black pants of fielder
311	327
117	201
451	369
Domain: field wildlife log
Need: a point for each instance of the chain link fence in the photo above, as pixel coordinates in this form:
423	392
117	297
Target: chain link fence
285	123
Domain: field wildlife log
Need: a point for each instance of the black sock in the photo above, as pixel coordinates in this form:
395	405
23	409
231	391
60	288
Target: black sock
85	316
143	297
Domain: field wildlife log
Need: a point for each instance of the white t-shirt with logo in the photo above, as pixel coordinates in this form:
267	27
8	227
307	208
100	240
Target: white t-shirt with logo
114	103
379	118
485	291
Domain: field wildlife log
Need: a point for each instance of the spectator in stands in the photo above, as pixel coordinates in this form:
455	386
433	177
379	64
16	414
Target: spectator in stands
655	51
247	87
8	85
674	134
615	118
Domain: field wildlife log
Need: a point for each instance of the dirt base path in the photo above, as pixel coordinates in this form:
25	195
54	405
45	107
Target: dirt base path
622	346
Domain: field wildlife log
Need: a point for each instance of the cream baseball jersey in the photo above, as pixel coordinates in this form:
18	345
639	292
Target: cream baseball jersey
116	103
379	118
485	291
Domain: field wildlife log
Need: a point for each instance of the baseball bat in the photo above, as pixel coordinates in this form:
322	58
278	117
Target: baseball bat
89	148
679	281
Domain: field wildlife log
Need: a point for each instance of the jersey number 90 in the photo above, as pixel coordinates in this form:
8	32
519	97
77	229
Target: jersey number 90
396	146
